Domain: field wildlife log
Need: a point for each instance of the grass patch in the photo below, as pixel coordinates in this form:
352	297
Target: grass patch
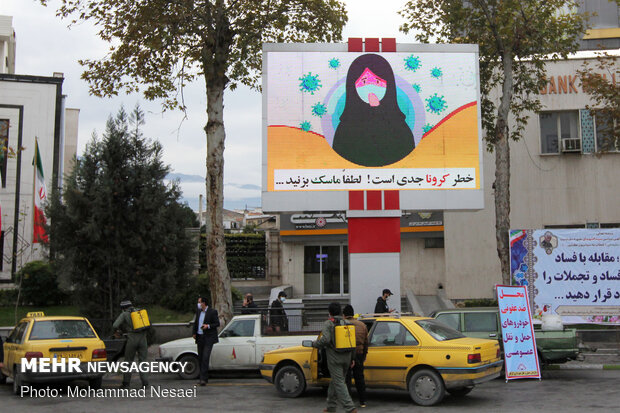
157	314
7	314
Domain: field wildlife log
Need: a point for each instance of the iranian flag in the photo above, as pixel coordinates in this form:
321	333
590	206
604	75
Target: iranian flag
40	196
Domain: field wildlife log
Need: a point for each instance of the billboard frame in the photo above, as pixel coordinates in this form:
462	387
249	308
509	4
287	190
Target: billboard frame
292	201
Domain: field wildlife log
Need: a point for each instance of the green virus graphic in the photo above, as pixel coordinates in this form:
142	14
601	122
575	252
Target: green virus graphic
305	126
416	87
436	72
412	63
436	104
310	83
334	63
427	128
319	110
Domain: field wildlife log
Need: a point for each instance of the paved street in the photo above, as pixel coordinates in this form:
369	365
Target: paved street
559	391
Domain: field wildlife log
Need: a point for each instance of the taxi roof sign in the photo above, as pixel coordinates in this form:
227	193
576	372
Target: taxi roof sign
36	314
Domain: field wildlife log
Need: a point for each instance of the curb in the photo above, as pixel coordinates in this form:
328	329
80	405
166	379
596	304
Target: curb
583	367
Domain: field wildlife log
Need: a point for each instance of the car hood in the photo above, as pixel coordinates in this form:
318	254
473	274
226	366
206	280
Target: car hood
295	349
182	342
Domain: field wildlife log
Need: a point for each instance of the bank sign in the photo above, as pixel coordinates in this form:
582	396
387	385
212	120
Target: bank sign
574	273
338	121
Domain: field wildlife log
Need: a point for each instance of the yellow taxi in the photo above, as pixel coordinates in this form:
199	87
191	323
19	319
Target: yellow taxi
416	354
55	337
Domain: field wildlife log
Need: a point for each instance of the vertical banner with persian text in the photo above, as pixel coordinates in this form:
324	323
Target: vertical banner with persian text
521	358
574	273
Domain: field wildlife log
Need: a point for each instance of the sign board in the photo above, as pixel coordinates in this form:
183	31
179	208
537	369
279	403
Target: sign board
571	272
336	121
521	358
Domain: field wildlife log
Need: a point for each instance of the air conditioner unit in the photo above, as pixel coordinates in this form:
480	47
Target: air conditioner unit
571	145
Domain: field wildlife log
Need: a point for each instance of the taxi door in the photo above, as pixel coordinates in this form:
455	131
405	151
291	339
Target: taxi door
14	346
236	348
391	350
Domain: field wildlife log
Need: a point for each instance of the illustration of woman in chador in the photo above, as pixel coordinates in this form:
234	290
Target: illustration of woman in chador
372	129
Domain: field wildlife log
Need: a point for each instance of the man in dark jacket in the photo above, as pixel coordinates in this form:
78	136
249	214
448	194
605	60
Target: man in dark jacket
381	306
205	333
361	350
249	306
277	316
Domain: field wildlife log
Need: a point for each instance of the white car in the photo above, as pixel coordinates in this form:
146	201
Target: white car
241	346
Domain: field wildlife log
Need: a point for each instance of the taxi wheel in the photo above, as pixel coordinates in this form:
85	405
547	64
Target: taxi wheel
460	391
95	383
192	369
290	381
18	382
426	387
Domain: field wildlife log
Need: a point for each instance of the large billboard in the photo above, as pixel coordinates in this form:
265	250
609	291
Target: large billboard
336	121
574	273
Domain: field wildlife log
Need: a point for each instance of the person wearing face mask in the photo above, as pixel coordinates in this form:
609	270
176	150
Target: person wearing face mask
277	316
206	323
381	306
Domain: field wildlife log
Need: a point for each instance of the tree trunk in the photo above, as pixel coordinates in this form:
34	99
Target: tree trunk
219	279
502	171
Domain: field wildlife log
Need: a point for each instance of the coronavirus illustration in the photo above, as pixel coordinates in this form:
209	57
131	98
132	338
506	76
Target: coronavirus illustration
412	63
416	87
426	128
334	63
305	126
436	104
319	110
310	83
436	72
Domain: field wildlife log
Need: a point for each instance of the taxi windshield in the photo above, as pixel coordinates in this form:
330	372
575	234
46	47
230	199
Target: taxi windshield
439	331
58	329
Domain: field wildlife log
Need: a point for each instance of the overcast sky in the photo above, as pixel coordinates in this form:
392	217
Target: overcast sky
45	45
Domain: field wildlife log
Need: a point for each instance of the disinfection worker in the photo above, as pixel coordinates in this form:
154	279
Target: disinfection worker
136	342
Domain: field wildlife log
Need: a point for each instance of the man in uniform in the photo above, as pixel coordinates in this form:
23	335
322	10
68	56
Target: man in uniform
338	363
361	350
136	342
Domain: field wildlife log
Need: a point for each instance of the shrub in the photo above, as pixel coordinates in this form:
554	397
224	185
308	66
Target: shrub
39	285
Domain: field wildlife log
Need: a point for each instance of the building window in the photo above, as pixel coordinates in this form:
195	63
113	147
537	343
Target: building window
605	140
559	132
433	243
326	269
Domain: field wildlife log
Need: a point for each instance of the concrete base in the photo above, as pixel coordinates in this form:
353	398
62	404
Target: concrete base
369	274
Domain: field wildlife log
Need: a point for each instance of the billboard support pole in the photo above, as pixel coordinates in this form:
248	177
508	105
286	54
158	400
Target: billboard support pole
374	248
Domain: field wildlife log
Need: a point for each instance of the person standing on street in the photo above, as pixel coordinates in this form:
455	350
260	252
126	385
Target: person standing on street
136	342
206	323
381	306
277	316
338	363
249	306
361	350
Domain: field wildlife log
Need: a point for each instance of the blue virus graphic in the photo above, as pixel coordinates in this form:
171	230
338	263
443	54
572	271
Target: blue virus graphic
319	110
310	83
427	128
412	63
305	126
436	72
334	63
436	104
416	87
523	267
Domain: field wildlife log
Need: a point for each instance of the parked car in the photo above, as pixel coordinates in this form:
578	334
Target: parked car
38	336
484	322
241	346
417	354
